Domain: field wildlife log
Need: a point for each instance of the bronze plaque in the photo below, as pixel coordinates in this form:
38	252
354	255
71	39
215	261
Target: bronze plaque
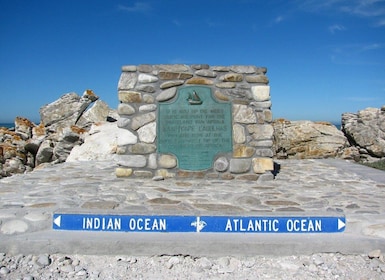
195	127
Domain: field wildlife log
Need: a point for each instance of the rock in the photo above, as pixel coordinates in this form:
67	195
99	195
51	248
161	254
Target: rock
170	84
239	135
145	68
261	165
226	85
123	172
248	69
130	160
4	270
172	67
146	88
65	111
167	75
261	93
147	108
140	121
262	79
14	166
100	143
146	78
143	174
261	132
43	261
45	152
167	161
67	139
166	94
147	133
63	125
306	139
239	165
243	151
221	164
232	77
129	68
97	113
23	127
142	148
200	66
32	146
152	161
158	178
127	80
125	109
164	173
130	96
199	81
243	114
206	73
123	122
366	130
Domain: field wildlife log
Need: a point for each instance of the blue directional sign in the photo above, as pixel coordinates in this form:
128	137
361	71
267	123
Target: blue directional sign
218	224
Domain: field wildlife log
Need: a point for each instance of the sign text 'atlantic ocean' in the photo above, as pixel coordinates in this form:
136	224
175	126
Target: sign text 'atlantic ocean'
218	224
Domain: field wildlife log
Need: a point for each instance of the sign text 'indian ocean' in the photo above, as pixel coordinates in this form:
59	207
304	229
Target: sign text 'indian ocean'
219	224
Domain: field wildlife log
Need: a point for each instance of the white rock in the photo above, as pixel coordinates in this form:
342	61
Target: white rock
127	80
261	93
243	114
43	260
147	133
152	161
4	270
101	143
130	160
147	108
239	135
145	78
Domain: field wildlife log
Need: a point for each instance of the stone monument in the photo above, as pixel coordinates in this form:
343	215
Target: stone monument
195	121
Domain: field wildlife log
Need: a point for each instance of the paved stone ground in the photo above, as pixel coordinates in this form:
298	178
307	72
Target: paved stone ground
301	187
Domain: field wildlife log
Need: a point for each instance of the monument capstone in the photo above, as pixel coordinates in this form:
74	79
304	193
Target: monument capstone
195	121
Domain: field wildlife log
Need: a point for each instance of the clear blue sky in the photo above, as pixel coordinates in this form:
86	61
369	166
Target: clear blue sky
324	57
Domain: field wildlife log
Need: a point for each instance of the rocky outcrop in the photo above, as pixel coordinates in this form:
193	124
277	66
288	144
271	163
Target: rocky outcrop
306	139
362	137
365	131
63	126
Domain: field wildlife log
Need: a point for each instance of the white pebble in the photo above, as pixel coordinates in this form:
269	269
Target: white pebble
4	270
43	260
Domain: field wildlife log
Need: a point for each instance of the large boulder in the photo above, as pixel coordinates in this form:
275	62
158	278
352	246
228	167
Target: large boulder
366	131
306	139
101	142
98	112
67	110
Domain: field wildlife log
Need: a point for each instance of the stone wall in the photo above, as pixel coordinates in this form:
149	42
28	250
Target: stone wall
142	88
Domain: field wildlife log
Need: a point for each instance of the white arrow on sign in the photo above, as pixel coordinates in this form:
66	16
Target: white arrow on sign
57	221
341	224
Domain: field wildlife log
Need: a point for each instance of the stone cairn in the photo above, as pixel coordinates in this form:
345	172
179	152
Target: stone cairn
142	88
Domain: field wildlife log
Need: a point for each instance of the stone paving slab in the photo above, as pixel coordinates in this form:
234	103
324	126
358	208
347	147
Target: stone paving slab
301	187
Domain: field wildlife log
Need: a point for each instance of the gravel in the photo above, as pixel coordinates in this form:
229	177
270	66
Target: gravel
317	266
